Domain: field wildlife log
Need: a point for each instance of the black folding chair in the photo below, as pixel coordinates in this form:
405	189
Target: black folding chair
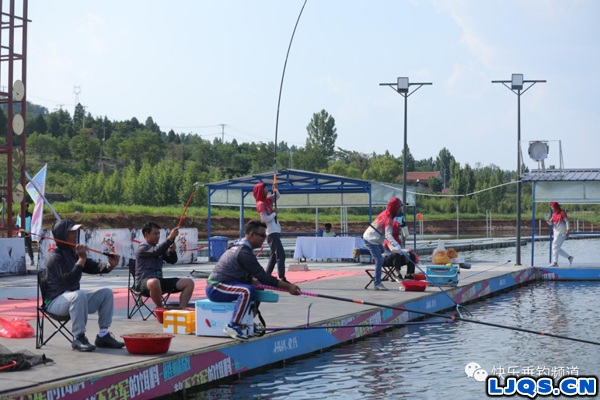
387	274
58	321
139	296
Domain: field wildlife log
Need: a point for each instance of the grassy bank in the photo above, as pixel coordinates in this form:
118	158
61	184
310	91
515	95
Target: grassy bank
286	214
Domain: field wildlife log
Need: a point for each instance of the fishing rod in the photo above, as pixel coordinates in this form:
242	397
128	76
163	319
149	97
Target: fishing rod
195	185
486	270
458	306
430	314
197	248
279	101
106	253
298	328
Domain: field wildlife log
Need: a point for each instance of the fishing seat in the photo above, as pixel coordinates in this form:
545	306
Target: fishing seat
58	321
387	274
139	295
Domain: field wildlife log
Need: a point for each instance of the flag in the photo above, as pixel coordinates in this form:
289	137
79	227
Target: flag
40	180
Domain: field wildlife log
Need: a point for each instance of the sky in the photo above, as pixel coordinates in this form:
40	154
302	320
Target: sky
192	65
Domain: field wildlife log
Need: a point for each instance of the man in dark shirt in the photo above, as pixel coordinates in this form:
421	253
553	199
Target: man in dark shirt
236	273
63	294
149	259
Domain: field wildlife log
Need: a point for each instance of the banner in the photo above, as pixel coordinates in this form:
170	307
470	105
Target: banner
36	219
186	245
109	240
12	256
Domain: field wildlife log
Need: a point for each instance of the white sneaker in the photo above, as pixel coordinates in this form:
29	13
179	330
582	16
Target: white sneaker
570	260
235	332
553	265
380	286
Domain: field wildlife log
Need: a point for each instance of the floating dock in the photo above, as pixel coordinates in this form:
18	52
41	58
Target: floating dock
196	361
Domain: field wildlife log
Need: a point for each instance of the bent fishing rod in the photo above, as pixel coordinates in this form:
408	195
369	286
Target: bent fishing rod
430	314
279	102
105	253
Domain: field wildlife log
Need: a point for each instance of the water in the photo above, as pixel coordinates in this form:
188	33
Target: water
584	250
428	361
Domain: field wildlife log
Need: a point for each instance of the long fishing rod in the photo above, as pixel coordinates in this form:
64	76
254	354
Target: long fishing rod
106	253
299	328
188	203
279	100
430	314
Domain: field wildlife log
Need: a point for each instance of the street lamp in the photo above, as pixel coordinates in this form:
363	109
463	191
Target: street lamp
402	87
517	83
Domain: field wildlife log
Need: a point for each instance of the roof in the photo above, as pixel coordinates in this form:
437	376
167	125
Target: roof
573	175
421	176
446	191
296	181
310	189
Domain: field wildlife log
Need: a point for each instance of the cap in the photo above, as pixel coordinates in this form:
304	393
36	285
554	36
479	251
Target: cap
75	227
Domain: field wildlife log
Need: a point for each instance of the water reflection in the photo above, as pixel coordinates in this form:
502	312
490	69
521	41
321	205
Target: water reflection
427	361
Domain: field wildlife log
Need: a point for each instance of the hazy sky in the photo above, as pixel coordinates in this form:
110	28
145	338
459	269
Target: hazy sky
193	64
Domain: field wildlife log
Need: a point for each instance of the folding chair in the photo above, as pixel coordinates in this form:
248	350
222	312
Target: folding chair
139	295
58	321
387	274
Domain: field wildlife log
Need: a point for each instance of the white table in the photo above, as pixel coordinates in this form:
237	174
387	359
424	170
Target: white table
327	247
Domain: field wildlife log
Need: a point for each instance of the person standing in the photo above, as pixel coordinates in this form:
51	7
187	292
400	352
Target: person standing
268	215
561	227
380	230
27	227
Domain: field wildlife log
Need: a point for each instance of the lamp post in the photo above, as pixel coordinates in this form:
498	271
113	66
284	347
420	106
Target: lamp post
402	87
517	83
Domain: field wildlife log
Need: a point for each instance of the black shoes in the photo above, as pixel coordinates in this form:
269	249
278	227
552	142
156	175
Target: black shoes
285	280
409	277
81	343
108	341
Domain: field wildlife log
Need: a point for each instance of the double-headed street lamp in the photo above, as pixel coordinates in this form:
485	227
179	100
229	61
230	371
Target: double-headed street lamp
402	87
517	83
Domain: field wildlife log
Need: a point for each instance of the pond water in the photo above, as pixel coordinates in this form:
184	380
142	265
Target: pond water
428	361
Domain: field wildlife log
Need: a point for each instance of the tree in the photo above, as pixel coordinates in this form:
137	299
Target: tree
85	149
40	124
42	145
410	160
442	164
113	189
322	135
382	169
435	185
78	116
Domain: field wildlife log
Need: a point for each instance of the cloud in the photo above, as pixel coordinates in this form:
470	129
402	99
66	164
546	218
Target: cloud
471	37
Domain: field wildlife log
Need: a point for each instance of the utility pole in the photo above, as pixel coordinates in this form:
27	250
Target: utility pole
223	132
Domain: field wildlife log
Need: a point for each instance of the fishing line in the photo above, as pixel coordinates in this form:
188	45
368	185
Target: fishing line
430	314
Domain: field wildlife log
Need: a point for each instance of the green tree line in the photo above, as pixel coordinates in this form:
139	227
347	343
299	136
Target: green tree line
99	161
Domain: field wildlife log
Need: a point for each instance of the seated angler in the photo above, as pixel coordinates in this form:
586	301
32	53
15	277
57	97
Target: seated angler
149	259
236	274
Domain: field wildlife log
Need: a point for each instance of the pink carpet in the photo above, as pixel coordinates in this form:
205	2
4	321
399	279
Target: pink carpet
25	308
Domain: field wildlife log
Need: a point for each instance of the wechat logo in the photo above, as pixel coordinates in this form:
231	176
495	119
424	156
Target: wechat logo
474	370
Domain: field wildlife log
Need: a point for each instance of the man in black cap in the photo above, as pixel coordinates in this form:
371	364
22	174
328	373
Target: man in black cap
63	294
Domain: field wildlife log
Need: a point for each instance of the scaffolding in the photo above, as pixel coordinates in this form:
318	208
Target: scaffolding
13	84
